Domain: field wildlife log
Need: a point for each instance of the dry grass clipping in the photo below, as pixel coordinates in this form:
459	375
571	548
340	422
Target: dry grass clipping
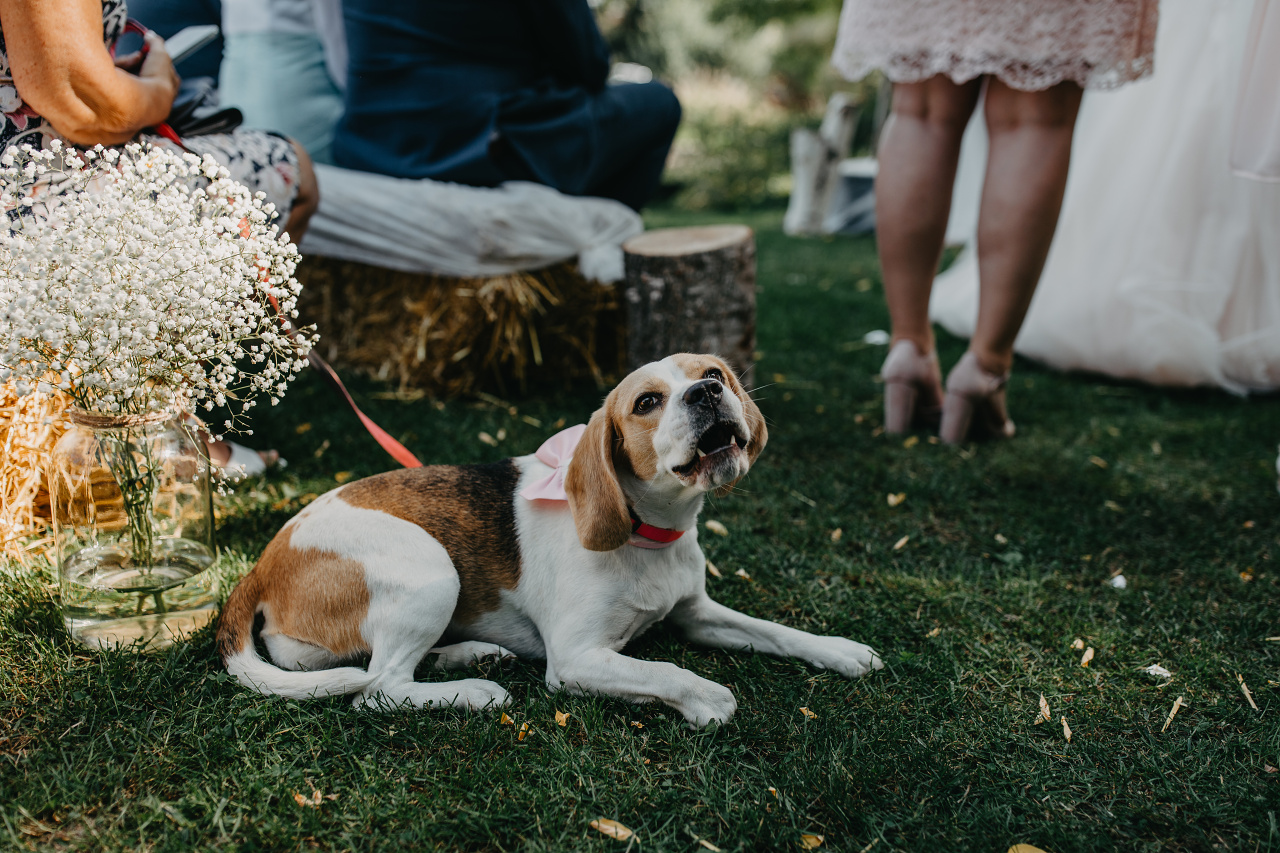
29	428
454	336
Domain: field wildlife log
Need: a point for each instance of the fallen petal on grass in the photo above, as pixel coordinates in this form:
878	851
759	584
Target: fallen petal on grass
1045	715
1173	712
742	573
712	570
562	719
1157	671
485	438
811	842
707	844
524	730
837	534
311	802
896	498
1119	582
1087	656
935	632
1244	688
901	543
1077	644
611	828
716	527
911	441
808	715
1066	730
504	720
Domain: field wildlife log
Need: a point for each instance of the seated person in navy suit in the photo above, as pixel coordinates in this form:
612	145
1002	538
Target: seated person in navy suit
485	91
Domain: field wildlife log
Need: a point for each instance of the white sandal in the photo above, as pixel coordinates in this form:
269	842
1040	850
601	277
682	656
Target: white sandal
245	462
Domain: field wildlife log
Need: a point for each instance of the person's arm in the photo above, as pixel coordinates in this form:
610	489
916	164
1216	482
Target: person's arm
62	71
567	34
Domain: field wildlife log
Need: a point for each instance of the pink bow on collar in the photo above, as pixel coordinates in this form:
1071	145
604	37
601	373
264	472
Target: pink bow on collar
556	452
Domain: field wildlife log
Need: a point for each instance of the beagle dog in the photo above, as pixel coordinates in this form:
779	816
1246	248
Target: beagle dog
468	561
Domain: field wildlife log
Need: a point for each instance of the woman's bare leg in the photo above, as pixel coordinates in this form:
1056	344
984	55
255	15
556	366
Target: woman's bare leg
1030	150
919	151
307	199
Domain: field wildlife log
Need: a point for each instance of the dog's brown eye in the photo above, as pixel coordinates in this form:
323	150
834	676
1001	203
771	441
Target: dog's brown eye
646	403
713	373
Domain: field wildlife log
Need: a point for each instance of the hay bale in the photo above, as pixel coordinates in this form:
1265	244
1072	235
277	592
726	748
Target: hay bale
453	336
29	428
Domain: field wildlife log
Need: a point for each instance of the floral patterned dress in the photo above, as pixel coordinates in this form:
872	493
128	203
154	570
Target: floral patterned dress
262	161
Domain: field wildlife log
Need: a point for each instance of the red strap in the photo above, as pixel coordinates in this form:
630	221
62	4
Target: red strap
655	534
398	451
170	134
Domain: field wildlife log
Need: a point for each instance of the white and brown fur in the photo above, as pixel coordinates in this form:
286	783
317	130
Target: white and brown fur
451	561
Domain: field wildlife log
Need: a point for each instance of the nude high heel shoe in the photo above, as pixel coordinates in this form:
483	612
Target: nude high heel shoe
974	406
912	388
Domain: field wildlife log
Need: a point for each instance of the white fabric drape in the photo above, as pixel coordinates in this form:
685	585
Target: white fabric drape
1255	141
450	229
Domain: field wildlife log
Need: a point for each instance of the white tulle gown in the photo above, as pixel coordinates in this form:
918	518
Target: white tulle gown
1166	266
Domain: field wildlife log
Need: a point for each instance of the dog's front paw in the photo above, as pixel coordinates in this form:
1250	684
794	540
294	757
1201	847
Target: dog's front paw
846	657
707	703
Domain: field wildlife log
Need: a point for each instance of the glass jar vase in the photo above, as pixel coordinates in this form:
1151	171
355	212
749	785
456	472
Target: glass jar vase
133	522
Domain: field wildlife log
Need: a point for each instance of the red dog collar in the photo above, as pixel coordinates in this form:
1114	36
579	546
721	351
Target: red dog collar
647	536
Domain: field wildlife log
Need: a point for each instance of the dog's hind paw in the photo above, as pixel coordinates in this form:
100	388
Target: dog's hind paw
464	654
474	694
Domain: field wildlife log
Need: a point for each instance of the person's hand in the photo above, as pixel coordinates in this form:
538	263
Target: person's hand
154	67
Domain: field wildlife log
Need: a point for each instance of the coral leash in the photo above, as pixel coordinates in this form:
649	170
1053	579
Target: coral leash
398	451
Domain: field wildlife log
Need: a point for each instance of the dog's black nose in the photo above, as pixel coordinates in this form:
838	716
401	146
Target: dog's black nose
705	392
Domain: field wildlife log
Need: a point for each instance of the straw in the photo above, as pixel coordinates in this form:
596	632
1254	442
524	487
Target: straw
30	426
456	336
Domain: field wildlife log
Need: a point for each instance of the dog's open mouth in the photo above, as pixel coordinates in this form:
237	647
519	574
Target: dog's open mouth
720	440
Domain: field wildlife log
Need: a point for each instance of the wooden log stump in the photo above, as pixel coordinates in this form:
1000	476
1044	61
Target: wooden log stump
692	290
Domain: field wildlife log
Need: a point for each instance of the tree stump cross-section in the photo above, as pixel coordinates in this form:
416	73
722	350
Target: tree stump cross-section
692	290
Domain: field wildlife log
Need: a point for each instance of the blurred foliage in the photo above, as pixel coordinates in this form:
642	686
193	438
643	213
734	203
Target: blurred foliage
733	149
763	11
730	163
781	47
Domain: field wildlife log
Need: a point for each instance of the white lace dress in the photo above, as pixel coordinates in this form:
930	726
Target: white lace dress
1027	44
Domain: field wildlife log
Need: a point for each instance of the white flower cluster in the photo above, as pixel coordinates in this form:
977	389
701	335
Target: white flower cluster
140	280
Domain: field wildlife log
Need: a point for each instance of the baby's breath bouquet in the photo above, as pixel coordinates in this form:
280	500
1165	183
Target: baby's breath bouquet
143	284
141	281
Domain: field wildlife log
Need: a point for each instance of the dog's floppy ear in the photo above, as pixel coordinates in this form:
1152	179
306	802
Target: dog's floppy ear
595	495
755	423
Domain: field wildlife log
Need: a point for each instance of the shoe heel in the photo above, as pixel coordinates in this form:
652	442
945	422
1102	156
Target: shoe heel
957	415
899	405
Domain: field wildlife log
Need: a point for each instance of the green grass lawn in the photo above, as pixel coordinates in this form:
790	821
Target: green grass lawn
1007	552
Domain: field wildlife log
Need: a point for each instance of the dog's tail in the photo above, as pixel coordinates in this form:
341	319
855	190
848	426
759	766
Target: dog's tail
235	646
